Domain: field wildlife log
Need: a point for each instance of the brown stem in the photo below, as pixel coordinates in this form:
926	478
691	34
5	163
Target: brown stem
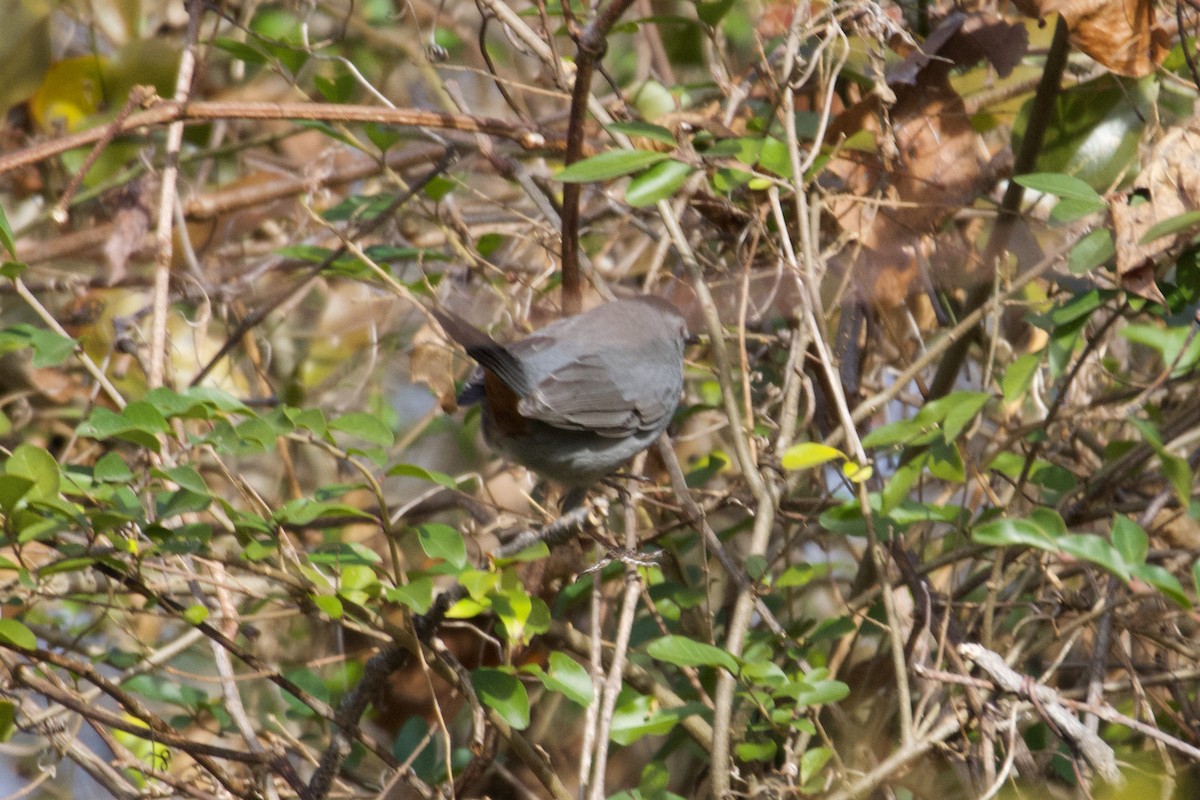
592	43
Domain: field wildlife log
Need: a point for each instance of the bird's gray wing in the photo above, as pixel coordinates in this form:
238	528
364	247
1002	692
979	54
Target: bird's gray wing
589	393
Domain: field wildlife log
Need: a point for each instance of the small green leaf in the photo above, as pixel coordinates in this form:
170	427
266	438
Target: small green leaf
610	164
12	269
814	692
1010	532
657	183
504	694
799	575
813	760
442	541
7	240
38	466
367	427
1130	540
241	51
417	594
1179	474
960	408
330	604
757	750
569	678
414	471
15	633
112	469
1091	251
1164	581
809	454
711	13
646	130
1065	186
1089	547
195	614
1019	377
1168	227
8	720
685	652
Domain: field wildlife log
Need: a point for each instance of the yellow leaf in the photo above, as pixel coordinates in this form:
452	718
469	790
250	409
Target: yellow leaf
809	454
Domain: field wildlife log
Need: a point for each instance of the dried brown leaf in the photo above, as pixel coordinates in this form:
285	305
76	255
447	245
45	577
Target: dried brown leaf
1167	187
1124	36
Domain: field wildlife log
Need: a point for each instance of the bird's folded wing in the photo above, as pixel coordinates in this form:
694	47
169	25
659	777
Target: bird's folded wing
586	395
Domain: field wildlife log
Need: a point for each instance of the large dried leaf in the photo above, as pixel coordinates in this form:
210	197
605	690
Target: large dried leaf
1166	191
928	160
1124	36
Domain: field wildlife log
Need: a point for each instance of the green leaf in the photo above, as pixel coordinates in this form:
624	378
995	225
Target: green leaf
646	130
799	575
139	423
1171	226
241	51
1168	341
442	541
12	489
15	633
38	466
814	692
417	594
1130	540
1164	581
945	462
913	431
896	490
685	652
1065	186
712	13
367	427
330	604
758	750
657	183
1070	210
610	164
1010	532
112	469
504	694
1019	377
960	408
1089	547
304	511
414	471
569	678
763	673
1091	251
813	760
8	719
195	614
1179	474
809	454
7	240
12	269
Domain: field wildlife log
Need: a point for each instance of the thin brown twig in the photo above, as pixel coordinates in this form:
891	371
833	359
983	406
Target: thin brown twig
165	112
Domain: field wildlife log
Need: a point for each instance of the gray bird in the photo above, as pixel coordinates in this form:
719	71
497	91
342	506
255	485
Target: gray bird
578	398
